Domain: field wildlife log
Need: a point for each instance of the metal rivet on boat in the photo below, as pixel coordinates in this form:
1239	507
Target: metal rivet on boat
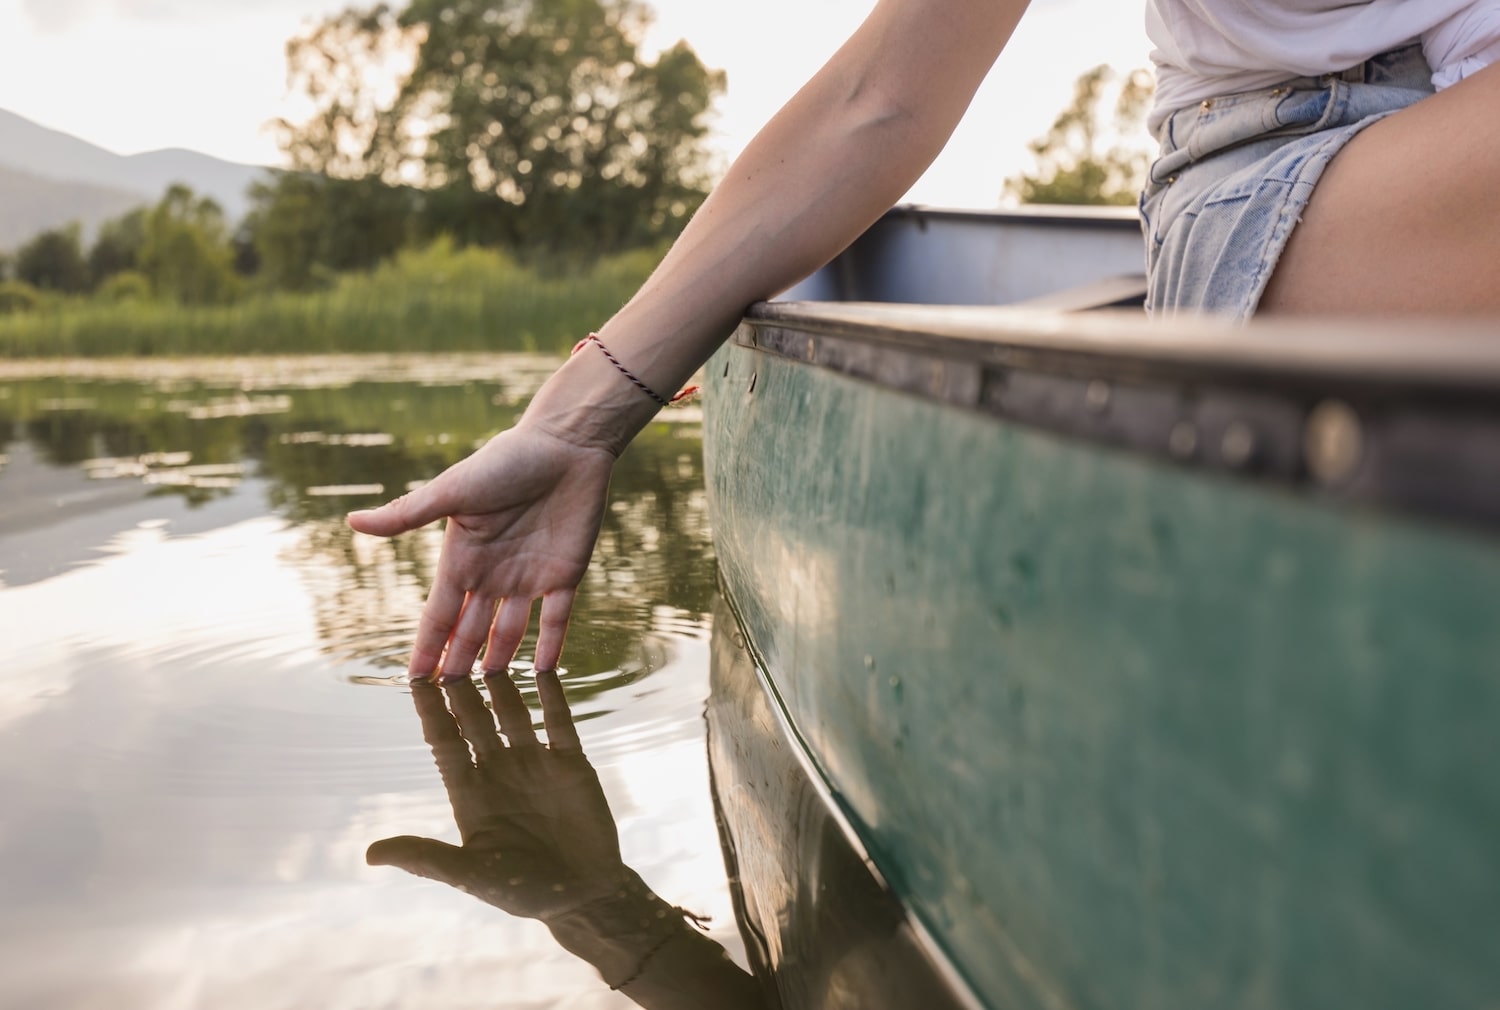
1096	397
753	377
1332	441
1182	440
1238	444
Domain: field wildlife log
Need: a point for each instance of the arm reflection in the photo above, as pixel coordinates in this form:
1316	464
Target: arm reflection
538	840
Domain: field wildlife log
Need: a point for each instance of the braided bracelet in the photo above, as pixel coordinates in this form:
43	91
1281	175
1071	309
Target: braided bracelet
593	338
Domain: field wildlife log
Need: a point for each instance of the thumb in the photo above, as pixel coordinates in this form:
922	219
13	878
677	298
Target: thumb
422	857
411	511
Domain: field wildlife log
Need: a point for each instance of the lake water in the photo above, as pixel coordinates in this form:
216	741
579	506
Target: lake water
204	720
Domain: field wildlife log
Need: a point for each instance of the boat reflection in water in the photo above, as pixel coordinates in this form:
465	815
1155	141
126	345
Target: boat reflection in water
820	927
539	841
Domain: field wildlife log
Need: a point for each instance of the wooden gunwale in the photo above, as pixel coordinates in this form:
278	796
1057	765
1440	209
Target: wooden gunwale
1415	418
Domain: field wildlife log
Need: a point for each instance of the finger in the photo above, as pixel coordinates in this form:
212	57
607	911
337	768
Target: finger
510	709
444	603
411	511
424	857
441	732
474	719
556	716
509	629
556	608
468	635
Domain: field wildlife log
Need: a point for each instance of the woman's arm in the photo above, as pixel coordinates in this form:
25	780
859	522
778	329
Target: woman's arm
835	158
524	510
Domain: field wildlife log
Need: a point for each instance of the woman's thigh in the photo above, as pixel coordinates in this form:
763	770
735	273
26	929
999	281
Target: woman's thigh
1406	217
1236	173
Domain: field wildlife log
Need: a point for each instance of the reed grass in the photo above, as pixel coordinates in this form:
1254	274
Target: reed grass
437	298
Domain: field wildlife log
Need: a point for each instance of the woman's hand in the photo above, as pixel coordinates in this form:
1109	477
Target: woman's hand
523	513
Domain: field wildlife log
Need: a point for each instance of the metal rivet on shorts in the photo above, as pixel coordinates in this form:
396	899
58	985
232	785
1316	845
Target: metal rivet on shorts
1182	439
1238	444
1277	92
1208	103
1332	441
1171	179
1096	396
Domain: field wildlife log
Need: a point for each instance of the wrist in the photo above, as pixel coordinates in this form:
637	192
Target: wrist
590	403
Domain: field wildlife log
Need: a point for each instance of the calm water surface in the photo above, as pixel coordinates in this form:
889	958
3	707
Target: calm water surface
204	722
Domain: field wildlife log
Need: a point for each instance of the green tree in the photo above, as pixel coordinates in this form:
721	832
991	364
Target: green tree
306	228
338	67
1084	159
124	286
53	261
283	221
18	296
546	107
186	252
118	246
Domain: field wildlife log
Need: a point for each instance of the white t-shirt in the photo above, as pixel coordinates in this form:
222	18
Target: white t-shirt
1207	48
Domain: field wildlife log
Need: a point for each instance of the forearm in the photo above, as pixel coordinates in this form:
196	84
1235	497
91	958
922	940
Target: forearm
846	147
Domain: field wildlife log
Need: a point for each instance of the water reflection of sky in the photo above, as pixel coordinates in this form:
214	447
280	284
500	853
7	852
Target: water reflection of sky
202	724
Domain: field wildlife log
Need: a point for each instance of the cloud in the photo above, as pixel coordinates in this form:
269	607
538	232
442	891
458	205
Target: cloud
62	15
57	15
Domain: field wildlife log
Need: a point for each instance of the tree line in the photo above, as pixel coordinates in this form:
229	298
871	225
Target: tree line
535	126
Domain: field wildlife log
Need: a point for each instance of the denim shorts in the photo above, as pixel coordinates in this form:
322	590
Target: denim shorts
1235	174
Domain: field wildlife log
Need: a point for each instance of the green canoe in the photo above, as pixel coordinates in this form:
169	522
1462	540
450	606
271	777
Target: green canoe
1147	664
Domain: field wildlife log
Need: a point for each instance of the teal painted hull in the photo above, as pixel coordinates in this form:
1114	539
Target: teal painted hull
1122	733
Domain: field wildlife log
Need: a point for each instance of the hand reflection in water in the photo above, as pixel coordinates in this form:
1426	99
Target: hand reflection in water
539	841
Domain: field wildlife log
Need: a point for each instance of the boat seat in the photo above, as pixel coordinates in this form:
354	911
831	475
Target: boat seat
1127	291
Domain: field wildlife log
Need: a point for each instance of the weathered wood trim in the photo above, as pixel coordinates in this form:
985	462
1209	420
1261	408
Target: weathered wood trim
1373	414
1452	356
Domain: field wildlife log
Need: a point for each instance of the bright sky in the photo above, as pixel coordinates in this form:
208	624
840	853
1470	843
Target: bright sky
135	75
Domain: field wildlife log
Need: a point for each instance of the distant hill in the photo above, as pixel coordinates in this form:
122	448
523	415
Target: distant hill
57	156
31	203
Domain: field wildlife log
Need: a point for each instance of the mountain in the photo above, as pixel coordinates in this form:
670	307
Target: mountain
32	203
61	157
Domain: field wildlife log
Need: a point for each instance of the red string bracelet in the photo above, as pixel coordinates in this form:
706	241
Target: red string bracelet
684	393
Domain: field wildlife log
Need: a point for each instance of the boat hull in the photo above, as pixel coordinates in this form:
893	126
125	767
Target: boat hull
1120	731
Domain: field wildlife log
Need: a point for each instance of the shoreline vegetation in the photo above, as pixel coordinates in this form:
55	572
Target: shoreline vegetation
510	194
436	298
559	175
